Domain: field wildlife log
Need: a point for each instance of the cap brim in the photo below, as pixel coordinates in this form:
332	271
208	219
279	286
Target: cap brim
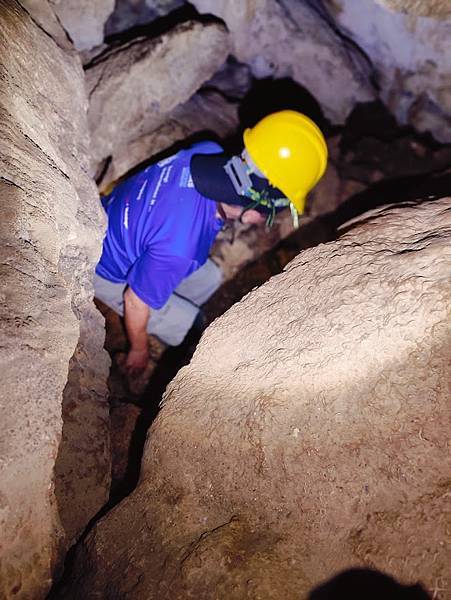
211	180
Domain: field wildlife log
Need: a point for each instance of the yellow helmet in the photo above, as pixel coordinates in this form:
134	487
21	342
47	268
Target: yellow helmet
290	151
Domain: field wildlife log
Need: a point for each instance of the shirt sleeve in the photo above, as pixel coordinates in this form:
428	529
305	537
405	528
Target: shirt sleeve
154	277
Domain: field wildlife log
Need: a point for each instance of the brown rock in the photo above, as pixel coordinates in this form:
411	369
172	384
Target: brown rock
309	433
51	232
123	424
134	88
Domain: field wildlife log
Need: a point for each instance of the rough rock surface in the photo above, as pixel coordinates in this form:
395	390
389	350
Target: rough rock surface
41	11
51	232
289	39
134	88
84	20
309	433
411	55
124	418
425	8
219	118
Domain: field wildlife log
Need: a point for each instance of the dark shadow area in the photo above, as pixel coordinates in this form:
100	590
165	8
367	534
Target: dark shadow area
391	191
128	14
271	95
152	30
173	359
366	584
373	119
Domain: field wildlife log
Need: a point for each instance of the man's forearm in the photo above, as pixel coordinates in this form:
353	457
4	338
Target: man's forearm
136	317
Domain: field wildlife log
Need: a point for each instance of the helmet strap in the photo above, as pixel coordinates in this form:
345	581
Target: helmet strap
239	170
294	215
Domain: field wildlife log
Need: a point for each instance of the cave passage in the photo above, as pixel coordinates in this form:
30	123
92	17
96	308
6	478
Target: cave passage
95	92
417	169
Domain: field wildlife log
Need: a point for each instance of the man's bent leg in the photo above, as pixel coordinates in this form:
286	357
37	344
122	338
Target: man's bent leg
201	284
170	323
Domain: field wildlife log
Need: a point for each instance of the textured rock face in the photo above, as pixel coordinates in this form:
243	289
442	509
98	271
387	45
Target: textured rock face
218	116
428	8
41	11
51	227
308	434
135	87
412	56
84	20
288	38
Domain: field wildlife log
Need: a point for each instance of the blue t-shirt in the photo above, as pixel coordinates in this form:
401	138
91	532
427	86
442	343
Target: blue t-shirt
160	229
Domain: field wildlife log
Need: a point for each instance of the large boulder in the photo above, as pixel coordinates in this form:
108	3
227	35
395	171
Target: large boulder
411	56
290	39
133	88
51	231
309	433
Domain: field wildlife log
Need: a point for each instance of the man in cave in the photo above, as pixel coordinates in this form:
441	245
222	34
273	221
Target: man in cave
162	221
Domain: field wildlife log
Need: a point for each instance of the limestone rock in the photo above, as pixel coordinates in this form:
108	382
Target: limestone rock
41	11
424	8
411	55
51	232
289	39
133	88
84	20
219	118
309	433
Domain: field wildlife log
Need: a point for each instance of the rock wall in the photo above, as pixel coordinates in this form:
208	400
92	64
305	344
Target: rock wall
51	231
288	39
84	20
308	434
411	55
133	88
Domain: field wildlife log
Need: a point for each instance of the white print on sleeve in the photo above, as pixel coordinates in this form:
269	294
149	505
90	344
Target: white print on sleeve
126	215
141	191
161	179
186	181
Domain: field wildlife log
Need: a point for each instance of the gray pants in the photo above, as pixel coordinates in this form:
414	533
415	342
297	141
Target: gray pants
173	321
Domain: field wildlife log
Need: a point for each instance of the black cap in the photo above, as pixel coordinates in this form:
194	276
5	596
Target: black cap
211	180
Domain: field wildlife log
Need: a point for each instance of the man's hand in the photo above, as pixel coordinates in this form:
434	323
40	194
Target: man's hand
137	361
